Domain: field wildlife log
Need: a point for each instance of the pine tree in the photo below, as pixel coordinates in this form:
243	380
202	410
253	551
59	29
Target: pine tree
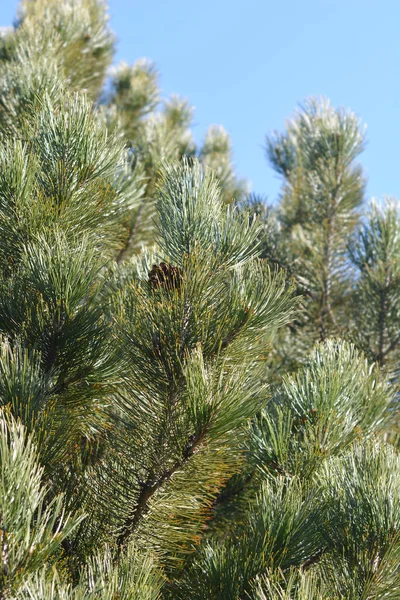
177	422
375	253
322	190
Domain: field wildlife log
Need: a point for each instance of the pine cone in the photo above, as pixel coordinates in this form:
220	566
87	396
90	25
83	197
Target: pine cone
165	276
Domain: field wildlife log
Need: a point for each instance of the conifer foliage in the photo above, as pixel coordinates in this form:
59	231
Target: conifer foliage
198	394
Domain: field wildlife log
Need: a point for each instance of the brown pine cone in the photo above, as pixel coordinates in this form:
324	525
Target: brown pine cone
165	276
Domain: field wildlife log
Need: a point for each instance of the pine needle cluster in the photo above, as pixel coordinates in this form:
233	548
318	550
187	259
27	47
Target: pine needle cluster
198	393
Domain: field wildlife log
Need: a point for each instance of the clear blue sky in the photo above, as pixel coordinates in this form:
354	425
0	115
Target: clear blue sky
247	64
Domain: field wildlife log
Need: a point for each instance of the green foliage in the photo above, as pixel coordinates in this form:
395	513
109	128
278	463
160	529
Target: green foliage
176	419
135	94
216	154
322	190
54	46
32	530
75	35
159	131
280	531
362	491
133	575
375	315
330	403
297	585
70	174
192	216
182	343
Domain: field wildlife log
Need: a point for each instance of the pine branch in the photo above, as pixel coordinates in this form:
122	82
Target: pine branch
123	253
149	488
381	325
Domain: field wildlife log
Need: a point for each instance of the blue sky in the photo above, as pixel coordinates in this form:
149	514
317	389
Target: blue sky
246	65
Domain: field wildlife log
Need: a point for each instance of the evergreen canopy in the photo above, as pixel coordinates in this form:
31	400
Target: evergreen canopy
198	393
